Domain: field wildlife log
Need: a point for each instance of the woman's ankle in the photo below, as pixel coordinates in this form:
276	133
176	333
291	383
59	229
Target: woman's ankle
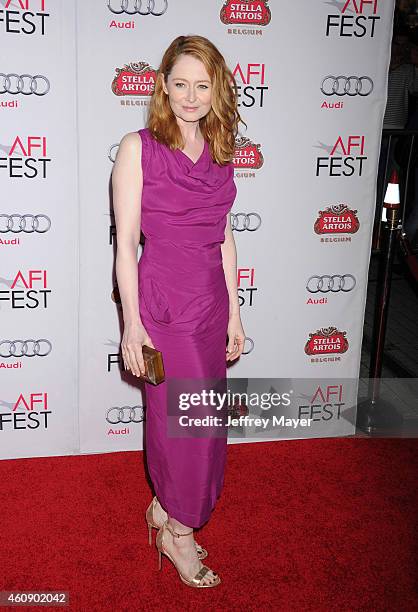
183	530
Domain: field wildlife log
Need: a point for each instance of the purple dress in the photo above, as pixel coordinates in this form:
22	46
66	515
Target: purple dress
184	306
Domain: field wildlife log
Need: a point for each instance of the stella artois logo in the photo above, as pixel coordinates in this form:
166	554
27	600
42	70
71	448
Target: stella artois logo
134	79
247	154
246	12
326	341
339	219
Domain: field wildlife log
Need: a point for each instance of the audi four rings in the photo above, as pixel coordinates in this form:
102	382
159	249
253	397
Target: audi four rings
25	348
110	154
135	7
125	414
334	283
242	221
24	223
251	343
347	86
24	84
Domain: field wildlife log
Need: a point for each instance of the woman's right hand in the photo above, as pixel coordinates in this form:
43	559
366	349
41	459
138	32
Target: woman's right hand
134	337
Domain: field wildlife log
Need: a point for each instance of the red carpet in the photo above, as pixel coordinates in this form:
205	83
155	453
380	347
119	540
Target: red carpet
325	524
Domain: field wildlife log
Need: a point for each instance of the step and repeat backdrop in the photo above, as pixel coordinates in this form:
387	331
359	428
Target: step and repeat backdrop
74	78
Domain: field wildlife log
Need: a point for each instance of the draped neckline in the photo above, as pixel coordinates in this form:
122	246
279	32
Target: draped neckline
199	159
203	174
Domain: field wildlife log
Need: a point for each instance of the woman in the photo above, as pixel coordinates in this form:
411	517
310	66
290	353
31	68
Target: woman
175	179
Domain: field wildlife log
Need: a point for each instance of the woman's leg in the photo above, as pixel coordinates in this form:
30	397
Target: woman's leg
187	472
183	551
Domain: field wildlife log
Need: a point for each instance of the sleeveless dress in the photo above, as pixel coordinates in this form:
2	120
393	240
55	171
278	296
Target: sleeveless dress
184	306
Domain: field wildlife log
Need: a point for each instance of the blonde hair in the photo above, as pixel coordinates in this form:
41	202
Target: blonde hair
220	126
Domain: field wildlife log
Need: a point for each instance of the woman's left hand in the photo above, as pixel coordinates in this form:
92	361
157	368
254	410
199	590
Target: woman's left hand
236	337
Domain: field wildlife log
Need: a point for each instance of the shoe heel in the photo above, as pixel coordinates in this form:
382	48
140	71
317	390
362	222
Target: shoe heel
149	534
159	560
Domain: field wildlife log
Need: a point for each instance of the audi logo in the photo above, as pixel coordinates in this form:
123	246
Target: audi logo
24	223
24	84
250	341
125	414
25	348
242	221
347	86
134	7
334	283
111	155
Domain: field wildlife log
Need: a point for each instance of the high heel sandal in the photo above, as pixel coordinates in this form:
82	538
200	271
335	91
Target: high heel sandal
202	553
196	581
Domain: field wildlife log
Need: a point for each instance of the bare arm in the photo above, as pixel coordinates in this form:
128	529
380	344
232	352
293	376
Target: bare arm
127	184
229	262
236	335
127	192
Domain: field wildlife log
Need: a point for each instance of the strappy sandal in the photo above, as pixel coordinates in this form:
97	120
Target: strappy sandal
196	581
202	553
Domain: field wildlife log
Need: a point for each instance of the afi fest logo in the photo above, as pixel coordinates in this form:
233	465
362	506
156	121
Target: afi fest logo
28	411
325	404
28	290
114	358
251	84
23	16
133	8
337	219
353	18
134	80
246	13
326	341
246	286
26	158
345	157
247	154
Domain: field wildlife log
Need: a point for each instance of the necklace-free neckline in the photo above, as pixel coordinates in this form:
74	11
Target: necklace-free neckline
194	163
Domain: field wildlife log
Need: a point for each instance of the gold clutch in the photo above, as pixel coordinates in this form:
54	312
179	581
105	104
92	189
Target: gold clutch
154	367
